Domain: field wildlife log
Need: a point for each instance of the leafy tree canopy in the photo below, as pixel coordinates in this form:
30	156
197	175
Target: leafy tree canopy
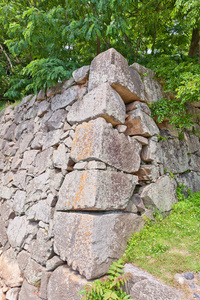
42	41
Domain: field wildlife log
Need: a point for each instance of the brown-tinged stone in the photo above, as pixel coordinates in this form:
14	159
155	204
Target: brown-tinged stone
90	242
96	190
9	269
65	284
81	75
161	194
140	123
110	66
148	173
142	140
102	101
98	140
41	95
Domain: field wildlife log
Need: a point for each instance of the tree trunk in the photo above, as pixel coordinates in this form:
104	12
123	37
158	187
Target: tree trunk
194	45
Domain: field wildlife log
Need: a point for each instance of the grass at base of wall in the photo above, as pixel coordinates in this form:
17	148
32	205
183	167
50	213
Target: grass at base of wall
5	103
169	246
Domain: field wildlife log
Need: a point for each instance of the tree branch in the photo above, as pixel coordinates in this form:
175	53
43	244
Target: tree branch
8	58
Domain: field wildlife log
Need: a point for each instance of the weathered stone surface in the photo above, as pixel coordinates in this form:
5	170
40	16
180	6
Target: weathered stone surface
93	164
38	141
13	294
98	140
33	272
192	142
3	235
52	138
57	120
121	128
102	101
43	108
148	173
151	152
153	90
60	157
22	260
142	70
110	66
9	269
41	248
28	158
29	292
143	286
90	242
24	142
26	99
53	90
142	140
17	231
161	194
10	132
40	211
53	263
68	97
6	211
19	180
191	180
43	160
139	123
174	155
96	190
19	202
44	285
137	104
65	284
81	75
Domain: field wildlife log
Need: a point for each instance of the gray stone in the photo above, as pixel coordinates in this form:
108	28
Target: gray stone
82	165
148	173
44	285
142	70
32	113
3	235
24	142
41	248
153	90
43	160
10	132
43	108
57	120
97	165
192	142
20	129
194	162
143	286
68	97
22	260
37	143
68	142
13	294
174	155
67	83
28	158
9	269
142	140
60	157
121	128
33	272
102	101
19	180
191	180
41	95
53	263
52	138
188	275
151	152
6	211
81	75
40	211
26	99
90	242
140	105
19	202
110	66
96	190
161	194
116	151
139	123
17	231
31	102
53	90
65	284
28	292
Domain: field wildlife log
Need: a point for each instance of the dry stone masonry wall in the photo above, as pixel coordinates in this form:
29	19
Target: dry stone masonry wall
80	166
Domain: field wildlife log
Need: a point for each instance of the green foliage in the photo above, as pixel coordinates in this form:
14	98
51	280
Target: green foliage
168	246
110	287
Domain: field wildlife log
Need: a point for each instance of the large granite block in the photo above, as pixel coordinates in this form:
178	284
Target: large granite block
96	190
98	140
90	242
110	66
102	101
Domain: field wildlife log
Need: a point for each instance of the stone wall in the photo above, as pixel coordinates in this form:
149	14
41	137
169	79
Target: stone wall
80	166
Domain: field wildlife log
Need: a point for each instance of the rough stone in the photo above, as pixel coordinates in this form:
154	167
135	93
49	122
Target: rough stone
43	160
121	128
174	155
140	105
81	75
41	248
19	180
90	242
52	138
22	260
24	142
110	66
13	294
44	285
68	97
39	212
192	142
43	108
60	157
148	173
19	202
3	235
151	152
33	272
96	190
9	269
53	263
102	101
139	123
153	90
28	158
142	70
6	211
98	140
53	90
142	140
26	99
57	120
29	292
17	231
161	194
93	164
37	142
191	180
65	284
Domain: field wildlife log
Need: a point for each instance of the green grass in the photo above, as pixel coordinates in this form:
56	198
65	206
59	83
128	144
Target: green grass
5	103
169	246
